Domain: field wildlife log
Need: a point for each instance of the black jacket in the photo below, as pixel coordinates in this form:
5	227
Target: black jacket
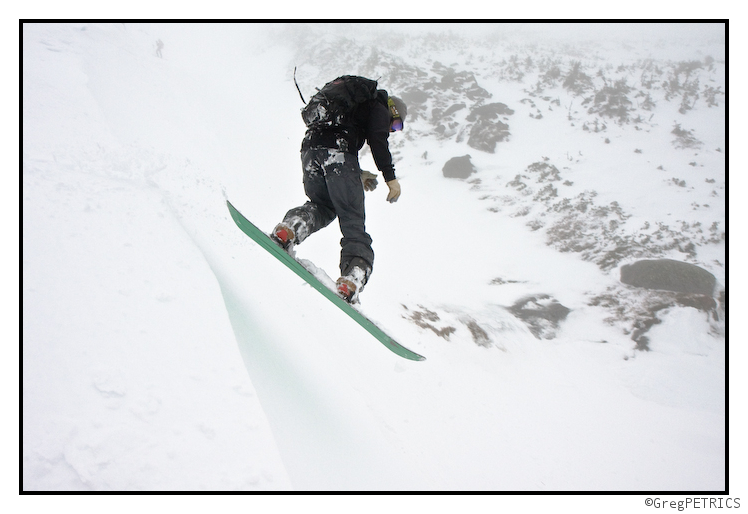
370	123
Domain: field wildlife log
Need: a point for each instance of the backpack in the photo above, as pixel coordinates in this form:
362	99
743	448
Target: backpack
335	104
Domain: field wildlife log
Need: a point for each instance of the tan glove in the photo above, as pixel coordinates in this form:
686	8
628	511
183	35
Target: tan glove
369	179
394	193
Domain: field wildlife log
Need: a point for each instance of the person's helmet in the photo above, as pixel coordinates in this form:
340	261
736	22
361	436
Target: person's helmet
398	111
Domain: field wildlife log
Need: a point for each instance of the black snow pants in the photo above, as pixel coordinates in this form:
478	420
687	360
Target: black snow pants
332	182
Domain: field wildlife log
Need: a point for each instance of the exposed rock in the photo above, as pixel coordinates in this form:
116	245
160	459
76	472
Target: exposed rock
453	80
453	109
489	112
488	129
480	336
541	313
426	318
414	96
458	167
669	275
438	115
485	134
637	310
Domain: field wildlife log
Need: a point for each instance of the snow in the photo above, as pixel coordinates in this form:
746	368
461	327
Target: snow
164	350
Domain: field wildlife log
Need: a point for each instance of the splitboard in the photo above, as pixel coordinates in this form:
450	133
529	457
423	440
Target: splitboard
264	241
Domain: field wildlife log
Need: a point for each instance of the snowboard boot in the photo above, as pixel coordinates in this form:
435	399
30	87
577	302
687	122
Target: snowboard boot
283	236
352	283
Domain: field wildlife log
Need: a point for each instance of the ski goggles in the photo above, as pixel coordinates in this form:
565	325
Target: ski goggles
397	121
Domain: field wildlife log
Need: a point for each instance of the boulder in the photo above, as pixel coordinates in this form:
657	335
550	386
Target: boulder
669	275
458	167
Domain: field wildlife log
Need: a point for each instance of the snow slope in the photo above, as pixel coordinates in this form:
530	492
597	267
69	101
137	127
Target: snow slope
164	350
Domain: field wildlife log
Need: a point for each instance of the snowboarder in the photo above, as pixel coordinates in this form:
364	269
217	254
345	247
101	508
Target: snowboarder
342	116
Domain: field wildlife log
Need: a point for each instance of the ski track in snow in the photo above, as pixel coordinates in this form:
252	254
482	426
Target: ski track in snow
164	350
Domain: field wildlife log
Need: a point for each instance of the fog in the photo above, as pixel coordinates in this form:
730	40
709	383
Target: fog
587	38
539	31
620	31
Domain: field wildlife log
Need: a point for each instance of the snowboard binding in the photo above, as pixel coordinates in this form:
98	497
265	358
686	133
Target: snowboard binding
283	236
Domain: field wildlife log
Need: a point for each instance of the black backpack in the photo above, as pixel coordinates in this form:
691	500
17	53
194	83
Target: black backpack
335	104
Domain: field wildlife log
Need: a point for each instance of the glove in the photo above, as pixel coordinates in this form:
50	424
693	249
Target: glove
369	180
394	193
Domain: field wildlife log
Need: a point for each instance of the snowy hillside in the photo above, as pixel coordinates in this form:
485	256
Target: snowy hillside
164	350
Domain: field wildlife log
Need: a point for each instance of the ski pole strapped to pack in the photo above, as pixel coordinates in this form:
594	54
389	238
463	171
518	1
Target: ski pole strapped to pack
337	100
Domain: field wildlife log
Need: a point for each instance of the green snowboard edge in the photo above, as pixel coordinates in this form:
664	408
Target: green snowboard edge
264	241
